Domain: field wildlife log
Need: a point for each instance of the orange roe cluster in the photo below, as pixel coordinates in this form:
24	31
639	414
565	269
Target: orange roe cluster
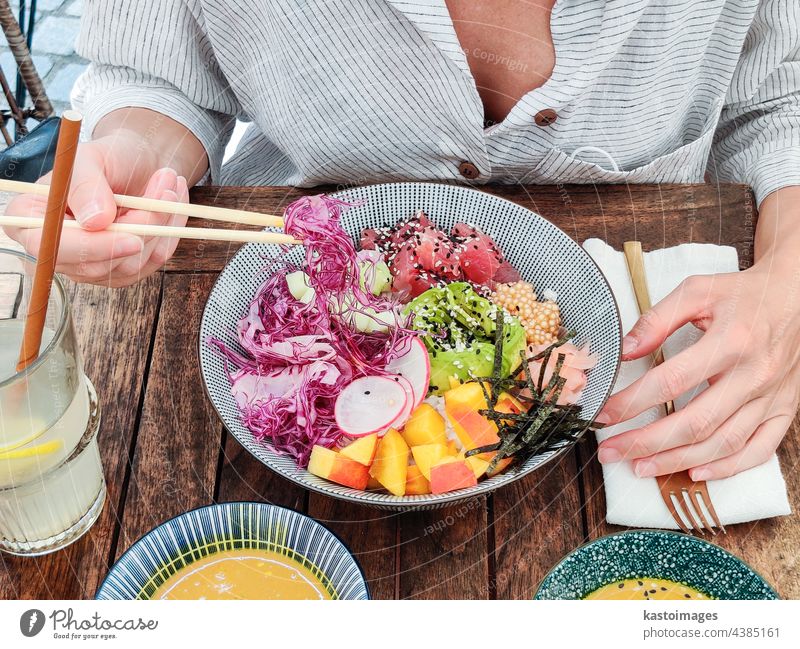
541	320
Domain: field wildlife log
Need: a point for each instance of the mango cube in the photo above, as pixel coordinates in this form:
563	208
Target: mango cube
332	466
452	447
463	405
362	450
416	483
478	464
427	455
451	474
425	426
502	465
390	466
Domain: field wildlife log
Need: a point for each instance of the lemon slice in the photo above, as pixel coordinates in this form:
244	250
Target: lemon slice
10	447
33	451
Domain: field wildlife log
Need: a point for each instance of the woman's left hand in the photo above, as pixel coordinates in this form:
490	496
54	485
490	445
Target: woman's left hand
749	354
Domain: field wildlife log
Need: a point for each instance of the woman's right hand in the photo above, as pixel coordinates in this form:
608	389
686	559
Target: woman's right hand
114	164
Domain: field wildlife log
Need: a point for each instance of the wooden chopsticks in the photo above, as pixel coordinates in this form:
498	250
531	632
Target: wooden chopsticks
168	207
634	257
169	231
678	491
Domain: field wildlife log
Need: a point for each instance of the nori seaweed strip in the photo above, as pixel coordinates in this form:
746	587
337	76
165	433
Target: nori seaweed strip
529	436
526	367
482	449
555	377
545	424
543	414
499	327
486	394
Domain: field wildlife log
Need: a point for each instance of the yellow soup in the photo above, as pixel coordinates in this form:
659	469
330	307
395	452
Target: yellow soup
243	574
646	588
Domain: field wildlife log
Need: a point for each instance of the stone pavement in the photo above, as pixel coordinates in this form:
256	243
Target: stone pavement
54	35
56	29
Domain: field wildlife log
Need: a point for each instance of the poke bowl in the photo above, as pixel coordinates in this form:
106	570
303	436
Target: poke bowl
470	342
217	548
652	564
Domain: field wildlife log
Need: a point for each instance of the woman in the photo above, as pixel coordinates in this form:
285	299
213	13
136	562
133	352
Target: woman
532	91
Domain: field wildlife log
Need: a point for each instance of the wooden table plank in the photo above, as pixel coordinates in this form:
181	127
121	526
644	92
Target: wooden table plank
771	546
656	215
444	553
371	535
114	329
537	520
464	551
244	478
178	442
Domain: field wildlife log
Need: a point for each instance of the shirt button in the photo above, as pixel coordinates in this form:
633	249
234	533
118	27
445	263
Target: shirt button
468	170
545	117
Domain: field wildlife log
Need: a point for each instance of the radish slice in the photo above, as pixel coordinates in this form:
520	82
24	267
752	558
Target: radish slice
403	417
415	367
369	405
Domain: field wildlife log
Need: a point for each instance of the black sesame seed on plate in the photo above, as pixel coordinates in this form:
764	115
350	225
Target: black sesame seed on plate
366	391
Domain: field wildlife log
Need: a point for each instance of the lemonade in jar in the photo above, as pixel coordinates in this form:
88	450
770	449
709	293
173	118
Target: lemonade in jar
51	477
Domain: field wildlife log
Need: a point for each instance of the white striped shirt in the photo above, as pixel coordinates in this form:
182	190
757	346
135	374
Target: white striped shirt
357	91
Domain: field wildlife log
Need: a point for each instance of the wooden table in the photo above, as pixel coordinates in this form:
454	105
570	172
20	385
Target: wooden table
165	451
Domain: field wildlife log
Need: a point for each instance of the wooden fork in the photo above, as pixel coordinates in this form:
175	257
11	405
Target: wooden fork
681	494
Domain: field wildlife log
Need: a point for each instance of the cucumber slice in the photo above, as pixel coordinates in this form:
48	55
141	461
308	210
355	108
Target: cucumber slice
299	287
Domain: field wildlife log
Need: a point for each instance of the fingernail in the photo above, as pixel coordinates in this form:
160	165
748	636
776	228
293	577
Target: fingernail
602	418
698	475
608	455
88	216
127	247
645	469
629	345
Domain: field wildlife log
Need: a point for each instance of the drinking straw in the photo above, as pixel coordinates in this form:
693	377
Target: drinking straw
66	148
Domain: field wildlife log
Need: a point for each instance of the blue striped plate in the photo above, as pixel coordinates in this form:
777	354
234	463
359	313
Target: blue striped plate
191	536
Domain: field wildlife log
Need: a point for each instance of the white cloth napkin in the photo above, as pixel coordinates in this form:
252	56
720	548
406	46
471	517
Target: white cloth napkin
754	494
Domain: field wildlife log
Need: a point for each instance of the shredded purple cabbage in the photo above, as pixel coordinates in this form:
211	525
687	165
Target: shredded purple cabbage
298	357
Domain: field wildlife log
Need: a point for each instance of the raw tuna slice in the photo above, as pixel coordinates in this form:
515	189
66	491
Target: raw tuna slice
404	230
478	262
370	239
434	250
506	274
482	261
408	281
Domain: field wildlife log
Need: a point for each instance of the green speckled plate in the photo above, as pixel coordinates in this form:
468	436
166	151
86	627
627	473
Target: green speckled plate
654	554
